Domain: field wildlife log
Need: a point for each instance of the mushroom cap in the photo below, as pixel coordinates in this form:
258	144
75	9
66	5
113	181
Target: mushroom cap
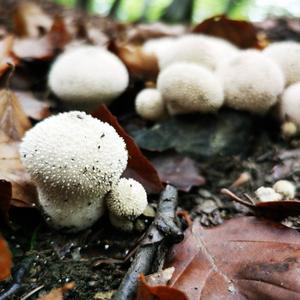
158	46
289	129
73	158
127	199
87	76
187	87
287	56
150	105
196	48
286	188
251	81
265	194
289	105
121	223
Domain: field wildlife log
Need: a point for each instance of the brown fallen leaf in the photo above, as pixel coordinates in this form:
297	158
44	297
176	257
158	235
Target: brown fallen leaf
138	167
32	107
241	33
182	172
6	55
140	64
5	260
13	125
275	210
58	294
245	258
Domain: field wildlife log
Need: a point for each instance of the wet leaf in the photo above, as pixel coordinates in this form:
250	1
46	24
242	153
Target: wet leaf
140	64
245	258
202	137
241	33
5	199
5	260
13	125
58	294
179	171
139	167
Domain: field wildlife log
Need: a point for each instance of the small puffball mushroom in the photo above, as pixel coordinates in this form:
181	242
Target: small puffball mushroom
251	81
289	106
289	130
265	194
196	48
187	87
87	76
121	223
286	188
74	159
287	56
127	199
150	105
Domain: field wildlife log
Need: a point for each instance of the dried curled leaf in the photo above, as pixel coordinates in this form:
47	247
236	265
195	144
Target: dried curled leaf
5	260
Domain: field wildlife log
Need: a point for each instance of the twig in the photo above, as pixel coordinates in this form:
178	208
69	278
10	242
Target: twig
164	229
32	292
18	277
236	198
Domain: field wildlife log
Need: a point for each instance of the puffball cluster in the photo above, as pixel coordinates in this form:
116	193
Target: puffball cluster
87	76
75	161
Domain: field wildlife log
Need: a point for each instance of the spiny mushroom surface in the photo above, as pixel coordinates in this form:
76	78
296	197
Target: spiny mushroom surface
127	199
150	105
289	105
287	56
87	76
195	48
187	87
74	159
251	81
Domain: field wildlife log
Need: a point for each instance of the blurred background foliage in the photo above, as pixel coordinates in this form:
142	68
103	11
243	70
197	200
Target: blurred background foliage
187	10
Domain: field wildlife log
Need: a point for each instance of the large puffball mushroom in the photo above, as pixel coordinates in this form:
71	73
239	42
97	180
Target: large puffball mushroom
286	188
195	48
289	106
74	159
150	105
287	56
187	87
158	46
87	76
127	199
251	82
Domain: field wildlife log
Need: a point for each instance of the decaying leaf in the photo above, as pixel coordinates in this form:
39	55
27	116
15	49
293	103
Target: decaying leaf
245	258
241	33
138	167
58	294
5	260
179	171
6	55
13	125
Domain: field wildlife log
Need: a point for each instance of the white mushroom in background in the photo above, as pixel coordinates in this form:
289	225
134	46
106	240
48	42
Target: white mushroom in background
85	77
287	56
150	105
188	87
286	188
75	160
265	194
251	82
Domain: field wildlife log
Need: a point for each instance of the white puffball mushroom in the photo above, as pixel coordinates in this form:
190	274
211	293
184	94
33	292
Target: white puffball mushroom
121	223
74	159
287	55
87	76
196	48
289	105
187	87
127	199
251	82
158	46
286	188
289	129
265	194
150	105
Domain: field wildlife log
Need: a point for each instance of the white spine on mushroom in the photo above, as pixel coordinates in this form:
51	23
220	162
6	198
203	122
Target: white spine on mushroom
150	105
251	82
75	160
87	76
286	188
195	48
127	199
187	87
289	106
287	56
